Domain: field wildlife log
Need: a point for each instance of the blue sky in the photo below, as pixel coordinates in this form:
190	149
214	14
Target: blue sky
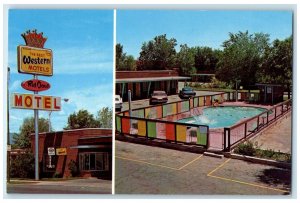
196	28
82	45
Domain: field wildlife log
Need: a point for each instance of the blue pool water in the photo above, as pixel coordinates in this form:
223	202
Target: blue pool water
219	117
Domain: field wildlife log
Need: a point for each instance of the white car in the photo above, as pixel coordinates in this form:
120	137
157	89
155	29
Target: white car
118	102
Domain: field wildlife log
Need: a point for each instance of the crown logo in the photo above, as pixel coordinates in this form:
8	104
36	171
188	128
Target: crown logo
34	39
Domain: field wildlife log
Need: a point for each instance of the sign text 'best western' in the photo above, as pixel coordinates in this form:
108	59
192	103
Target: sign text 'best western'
33	60
35	101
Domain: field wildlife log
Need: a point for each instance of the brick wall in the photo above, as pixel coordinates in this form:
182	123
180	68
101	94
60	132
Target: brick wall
66	139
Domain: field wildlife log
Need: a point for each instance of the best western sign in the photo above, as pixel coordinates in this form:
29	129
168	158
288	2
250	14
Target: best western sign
35	101
33	60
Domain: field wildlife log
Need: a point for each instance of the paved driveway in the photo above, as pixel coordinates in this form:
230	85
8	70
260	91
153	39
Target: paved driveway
143	169
75	186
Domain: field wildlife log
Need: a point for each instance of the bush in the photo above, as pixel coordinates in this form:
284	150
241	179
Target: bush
57	175
246	148
73	168
22	166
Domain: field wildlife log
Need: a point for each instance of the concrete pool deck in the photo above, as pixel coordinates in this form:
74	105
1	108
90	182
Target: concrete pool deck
277	137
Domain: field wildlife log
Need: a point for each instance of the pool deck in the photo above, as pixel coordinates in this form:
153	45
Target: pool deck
277	137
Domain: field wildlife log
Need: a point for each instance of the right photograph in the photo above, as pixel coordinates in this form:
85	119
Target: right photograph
203	102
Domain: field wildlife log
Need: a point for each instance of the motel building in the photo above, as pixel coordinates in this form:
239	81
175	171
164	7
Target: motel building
143	83
89	149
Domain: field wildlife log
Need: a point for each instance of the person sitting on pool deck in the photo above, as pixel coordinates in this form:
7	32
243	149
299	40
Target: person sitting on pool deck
216	102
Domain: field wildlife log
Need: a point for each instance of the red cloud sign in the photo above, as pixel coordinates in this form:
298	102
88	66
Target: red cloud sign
35	85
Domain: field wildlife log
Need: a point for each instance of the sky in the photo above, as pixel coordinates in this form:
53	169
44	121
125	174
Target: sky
197	28
82	46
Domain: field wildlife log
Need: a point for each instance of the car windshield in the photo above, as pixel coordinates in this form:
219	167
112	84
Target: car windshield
117	99
187	89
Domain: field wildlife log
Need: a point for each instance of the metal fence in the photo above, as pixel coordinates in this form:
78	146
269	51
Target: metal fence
239	132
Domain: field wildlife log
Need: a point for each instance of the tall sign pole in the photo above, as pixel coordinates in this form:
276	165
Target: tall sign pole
36	136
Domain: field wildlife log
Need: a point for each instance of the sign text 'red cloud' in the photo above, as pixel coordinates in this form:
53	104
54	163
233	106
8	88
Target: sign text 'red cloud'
31	101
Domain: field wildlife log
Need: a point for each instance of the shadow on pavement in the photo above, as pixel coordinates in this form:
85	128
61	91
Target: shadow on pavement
276	176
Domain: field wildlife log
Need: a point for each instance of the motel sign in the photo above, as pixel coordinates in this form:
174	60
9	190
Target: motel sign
35	101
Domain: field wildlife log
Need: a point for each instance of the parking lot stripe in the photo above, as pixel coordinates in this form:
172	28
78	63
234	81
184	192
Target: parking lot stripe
246	183
144	162
241	182
190	162
218	167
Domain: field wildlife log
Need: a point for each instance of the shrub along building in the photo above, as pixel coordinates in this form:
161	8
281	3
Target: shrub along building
80	152
143	83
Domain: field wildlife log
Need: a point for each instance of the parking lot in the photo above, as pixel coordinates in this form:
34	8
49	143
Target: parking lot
141	169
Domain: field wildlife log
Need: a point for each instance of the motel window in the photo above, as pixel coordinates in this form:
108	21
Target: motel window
94	161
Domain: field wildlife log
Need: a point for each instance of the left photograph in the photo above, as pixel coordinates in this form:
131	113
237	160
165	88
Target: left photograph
59	99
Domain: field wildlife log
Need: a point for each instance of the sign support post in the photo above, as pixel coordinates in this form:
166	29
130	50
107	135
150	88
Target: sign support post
36	127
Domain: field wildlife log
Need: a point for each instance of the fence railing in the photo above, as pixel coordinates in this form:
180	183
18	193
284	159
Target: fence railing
249	127
174	108
142	121
163	130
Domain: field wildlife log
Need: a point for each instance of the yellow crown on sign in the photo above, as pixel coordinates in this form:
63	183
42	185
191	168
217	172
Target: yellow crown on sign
34	39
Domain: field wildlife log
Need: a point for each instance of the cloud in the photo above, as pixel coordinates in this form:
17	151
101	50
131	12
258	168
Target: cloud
91	98
15	85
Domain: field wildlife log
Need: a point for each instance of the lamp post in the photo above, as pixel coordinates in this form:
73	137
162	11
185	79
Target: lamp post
50	112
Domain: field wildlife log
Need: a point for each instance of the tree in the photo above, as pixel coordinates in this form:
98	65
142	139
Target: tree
206	58
241	57
105	117
277	63
82	119
22	166
186	60
120	56
158	54
124	62
22	140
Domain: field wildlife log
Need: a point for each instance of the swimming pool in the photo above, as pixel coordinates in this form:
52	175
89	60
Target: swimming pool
223	116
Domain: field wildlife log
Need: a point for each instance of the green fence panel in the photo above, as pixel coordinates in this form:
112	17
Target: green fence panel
151	129
202	135
118	119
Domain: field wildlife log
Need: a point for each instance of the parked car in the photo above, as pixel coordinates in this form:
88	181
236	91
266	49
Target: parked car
118	102
158	97
186	93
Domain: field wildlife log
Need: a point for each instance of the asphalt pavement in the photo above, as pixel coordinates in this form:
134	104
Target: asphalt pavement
74	186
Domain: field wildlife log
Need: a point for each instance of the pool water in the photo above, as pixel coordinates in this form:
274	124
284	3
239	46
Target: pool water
223	116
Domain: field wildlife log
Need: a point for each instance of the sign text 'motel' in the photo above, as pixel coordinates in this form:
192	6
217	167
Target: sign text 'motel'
35	85
35	101
33	60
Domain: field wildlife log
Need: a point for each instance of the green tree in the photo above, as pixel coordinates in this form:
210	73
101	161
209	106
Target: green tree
120	57
22	166
158	54
82	119
186	60
241	57
206	58
129	63
22	140
124	62
277	63
105	117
